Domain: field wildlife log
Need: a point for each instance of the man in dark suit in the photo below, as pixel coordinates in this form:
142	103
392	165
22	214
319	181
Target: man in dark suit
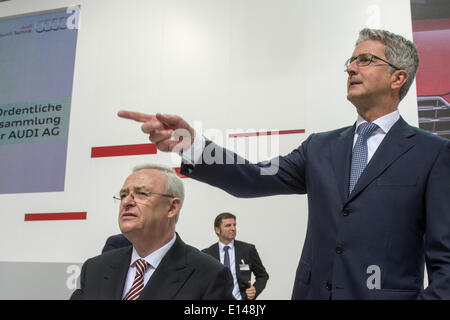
115	242
378	191
241	257
158	265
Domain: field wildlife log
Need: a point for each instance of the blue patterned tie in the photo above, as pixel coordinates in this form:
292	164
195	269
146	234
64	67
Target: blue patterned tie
359	155
226	259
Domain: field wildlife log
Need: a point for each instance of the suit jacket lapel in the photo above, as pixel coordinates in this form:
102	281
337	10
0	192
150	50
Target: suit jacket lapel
170	275
113	280
237	255
215	251
395	144
341	155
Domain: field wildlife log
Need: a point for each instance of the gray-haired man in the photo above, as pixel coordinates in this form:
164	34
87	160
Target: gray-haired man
378	191
158	265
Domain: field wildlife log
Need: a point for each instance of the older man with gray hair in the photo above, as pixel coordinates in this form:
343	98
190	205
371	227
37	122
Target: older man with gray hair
158	264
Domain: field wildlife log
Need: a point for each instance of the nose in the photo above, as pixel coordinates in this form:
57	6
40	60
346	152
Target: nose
128	201
352	68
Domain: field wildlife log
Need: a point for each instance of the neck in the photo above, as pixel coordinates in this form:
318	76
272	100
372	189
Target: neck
149	244
371	113
372	109
225	241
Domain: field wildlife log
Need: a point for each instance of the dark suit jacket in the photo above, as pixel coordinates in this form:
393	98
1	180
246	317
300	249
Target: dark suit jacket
115	242
247	252
397	217
184	273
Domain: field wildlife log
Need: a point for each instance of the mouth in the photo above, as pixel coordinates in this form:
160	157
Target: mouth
128	215
353	83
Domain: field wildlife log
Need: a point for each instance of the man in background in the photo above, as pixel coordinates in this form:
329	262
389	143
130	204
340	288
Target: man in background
115	242
241	257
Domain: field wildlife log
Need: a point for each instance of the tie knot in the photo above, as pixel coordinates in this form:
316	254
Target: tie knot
226	248
141	266
366	129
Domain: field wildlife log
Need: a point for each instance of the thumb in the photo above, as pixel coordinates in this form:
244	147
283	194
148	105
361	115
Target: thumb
250	284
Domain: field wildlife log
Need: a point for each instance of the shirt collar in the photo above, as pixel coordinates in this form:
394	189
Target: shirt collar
231	245
385	122
154	258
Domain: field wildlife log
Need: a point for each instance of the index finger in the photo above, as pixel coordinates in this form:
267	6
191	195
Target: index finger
136	116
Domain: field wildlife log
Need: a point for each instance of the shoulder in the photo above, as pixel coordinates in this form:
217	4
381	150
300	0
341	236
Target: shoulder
318	140
244	247
115	241
108	258
239	243
211	248
429	145
429	138
118	239
200	259
326	135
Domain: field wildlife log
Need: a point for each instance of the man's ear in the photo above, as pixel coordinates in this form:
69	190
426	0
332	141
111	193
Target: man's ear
216	230
399	78
175	207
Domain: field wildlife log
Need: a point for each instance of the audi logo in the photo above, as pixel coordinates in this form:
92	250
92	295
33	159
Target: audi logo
51	24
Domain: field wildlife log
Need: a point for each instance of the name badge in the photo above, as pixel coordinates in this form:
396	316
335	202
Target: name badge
244	267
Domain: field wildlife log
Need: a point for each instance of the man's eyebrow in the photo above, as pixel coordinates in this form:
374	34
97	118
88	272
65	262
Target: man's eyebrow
136	188
140	188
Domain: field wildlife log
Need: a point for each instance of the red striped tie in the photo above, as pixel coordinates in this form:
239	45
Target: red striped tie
138	284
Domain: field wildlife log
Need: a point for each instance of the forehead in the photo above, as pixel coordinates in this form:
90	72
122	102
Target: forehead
228	221
149	178
370	46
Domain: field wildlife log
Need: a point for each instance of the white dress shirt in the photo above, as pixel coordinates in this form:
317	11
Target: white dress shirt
194	153
231	252
153	259
385	124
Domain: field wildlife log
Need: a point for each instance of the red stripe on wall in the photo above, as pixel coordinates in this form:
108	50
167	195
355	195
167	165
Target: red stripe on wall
125	150
265	133
177	170
55	216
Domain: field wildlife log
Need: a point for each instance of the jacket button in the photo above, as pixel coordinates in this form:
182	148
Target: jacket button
328	285
339	250
345	212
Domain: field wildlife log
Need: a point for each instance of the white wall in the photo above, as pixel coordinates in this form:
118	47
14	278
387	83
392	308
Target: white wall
248	64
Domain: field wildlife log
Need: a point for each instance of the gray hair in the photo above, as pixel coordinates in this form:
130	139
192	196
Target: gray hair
174	185
400	52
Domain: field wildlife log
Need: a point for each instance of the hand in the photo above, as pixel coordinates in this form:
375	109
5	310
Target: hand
167	132
250	292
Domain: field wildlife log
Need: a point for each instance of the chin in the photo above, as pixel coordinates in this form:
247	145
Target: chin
126	227
353	98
